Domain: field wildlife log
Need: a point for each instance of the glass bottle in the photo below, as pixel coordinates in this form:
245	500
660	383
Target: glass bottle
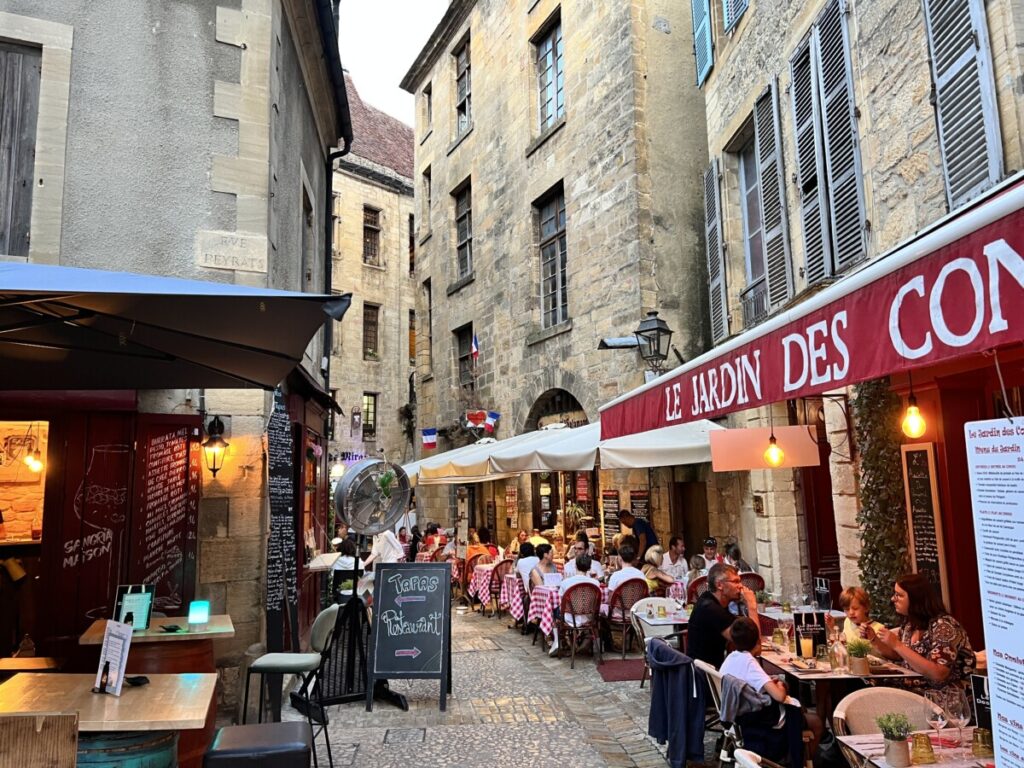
838	656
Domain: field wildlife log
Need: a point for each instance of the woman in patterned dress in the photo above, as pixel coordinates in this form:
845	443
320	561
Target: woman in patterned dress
930	641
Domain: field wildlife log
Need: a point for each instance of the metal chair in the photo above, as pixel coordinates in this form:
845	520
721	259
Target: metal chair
308	666
696	588
497	578
40	740
856	713
666	633
620	604
731	737
580	609
752	581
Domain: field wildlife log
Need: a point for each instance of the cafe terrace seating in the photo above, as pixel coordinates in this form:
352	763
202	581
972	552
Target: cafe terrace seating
697	588
644	632
855	714
620	604
752	581
580	611
497	577
730	738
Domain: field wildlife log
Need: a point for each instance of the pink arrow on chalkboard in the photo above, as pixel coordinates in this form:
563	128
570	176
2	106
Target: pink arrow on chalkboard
410	599
413	652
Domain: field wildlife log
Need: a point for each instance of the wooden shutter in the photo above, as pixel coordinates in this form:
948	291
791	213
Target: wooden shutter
965	103
839	131
768	144
703	48
717	297
810	168
19	107
731	12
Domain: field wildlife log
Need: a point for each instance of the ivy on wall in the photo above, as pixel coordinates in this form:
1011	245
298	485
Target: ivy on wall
883	555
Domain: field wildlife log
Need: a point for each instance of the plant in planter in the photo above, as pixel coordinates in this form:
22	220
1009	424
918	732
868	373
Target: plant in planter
762	599
895	728
385	481
858	651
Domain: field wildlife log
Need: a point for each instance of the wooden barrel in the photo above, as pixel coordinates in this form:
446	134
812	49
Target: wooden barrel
147	749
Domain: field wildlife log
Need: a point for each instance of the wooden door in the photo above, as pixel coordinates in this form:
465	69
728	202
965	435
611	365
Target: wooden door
688	511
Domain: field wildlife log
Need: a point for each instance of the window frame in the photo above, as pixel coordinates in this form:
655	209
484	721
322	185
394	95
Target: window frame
465	373
428	107
463	88
747	164
553	247
371	331
371	235
463	199
412	337
371	407
549	44
429	291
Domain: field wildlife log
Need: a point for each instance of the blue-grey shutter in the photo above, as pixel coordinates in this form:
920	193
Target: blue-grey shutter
716	261
731	12
810	169
831	44
768	143
703	47
20	68
965	102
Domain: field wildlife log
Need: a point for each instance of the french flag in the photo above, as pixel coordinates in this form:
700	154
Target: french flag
491	421
475	350
430	437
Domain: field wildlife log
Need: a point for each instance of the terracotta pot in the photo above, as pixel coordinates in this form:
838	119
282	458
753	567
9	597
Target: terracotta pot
859	666
897	753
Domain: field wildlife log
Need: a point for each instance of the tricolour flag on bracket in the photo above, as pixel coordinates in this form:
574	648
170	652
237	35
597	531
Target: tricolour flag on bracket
430	437
491	420
475	350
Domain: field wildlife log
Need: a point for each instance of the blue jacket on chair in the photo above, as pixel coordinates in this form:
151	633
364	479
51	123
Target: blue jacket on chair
677	703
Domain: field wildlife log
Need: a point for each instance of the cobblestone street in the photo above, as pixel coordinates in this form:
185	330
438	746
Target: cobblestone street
511	706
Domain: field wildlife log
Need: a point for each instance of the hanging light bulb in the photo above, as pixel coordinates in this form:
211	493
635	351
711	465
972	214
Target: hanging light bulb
774	455
913	422
35	461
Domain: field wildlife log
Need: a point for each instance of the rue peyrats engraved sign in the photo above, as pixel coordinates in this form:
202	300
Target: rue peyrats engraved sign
231	250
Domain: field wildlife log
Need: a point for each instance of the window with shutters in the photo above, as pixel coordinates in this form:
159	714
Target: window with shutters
428	294
464	356
20	70
550	73
827	148
464	230
370	416
463	90
371	323
755	297
553	288
412	245
371	236
703	45
715	254
731	12
412	337
965	102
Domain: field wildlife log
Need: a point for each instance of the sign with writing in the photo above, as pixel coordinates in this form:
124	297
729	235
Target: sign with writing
117	640
639	503
610	512
281	573
165	518
981	700
582	487
412	625
231	250
927	554
954	292
995	461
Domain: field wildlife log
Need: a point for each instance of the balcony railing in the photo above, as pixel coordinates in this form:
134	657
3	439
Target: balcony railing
755	303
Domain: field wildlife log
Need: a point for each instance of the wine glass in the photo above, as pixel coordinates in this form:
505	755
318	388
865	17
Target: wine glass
958	710
935	714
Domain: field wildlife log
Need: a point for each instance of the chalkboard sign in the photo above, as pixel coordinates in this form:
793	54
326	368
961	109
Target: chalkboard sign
610	510
412	625
281	573
981	701
924	521
640	504
165	518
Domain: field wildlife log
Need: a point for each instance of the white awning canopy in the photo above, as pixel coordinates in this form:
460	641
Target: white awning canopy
562	450
471	464
680	444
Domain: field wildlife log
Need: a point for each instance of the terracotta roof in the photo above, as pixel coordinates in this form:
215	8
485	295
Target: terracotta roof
378	137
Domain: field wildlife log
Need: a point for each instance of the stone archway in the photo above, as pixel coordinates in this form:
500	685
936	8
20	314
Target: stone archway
555	405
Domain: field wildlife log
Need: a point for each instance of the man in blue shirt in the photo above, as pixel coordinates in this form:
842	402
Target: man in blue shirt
643	531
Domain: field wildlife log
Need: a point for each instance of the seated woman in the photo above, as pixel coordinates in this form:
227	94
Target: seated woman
512	550
930	641
544	566
763	729
734	557
656	578
857	604
482	546
697	569
435	538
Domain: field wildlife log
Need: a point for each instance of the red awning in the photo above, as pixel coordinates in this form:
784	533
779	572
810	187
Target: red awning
954	290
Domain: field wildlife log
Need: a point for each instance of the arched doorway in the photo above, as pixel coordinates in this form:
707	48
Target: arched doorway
553	406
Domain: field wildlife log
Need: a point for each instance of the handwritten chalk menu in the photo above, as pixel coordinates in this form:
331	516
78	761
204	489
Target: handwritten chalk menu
281	572
924	522
165	515
640	504
610	510
995	461
412	625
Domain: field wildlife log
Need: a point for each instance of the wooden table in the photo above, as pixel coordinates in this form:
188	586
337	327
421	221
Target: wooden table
322	563
870	750
156	651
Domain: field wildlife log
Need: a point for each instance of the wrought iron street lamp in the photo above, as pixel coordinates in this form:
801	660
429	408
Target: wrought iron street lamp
215	446
654	337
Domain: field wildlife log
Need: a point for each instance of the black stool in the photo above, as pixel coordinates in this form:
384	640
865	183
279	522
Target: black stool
267	745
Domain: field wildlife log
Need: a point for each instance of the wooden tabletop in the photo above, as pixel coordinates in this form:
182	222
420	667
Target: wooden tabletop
218	627
323	562
167	703
28	664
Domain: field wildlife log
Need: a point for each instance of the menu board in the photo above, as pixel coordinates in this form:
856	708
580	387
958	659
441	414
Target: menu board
412	629
165	516
281	572
610	510
640	504
582	487
924	522
995	461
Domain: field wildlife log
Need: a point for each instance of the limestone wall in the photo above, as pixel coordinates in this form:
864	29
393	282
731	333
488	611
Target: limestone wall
21	489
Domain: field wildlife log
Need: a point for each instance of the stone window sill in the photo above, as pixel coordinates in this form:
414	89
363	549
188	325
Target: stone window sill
548	133
461	283
536	337
427	135
426	236
378	267
426	377
460	139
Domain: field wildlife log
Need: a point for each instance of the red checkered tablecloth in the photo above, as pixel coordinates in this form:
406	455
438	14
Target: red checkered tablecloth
512	594
480	583
544	602
424	557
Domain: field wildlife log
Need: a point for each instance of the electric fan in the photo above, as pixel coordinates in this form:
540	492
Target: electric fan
372	495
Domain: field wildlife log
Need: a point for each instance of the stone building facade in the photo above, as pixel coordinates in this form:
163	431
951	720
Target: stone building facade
191	140
375	257
823	127
558	158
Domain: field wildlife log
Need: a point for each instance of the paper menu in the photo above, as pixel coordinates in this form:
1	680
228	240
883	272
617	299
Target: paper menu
117	639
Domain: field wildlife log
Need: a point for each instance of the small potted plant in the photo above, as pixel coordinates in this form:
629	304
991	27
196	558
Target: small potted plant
895	728
762	600
859	650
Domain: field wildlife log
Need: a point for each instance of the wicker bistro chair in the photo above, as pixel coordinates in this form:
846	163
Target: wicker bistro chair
497	578
752	581
619	606
731	737
467	573
696	588
644	632
308	666
856	713
578	617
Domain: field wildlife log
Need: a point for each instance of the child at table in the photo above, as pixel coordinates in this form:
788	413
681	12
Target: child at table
857	604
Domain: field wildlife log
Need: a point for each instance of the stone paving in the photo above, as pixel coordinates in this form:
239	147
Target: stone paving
511	706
